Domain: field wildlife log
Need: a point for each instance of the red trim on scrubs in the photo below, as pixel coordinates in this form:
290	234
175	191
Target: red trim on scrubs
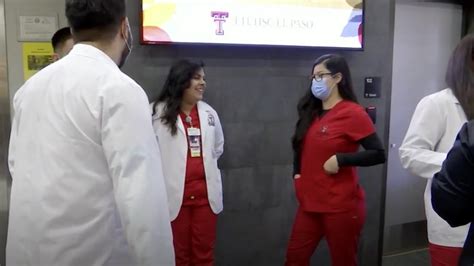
444	256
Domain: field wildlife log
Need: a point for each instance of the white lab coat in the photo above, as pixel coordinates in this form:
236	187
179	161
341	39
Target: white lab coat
433	129
175	150
88	186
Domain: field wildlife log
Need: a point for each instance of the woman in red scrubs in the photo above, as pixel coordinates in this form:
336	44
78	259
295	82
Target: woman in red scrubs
329	131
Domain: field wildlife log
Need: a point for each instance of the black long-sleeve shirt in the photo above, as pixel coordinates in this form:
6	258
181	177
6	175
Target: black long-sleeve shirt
452	189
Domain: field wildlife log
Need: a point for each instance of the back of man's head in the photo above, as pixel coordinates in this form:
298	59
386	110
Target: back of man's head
62	42
95	20
60	37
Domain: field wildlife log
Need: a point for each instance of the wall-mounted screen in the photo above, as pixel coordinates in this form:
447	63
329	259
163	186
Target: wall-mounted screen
311	23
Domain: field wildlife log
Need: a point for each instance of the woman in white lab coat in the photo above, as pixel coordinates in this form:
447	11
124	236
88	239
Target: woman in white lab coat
432	131
190	137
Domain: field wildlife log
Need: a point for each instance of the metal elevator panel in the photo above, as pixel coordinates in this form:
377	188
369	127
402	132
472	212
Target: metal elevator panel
5	122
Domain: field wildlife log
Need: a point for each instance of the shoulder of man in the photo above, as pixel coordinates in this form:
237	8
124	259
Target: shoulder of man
119	83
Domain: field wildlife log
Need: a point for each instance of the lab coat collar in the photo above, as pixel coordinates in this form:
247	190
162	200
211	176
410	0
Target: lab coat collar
90	51
203	116
452	97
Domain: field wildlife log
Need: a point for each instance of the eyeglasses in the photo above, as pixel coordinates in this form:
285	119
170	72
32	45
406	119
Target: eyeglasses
319	77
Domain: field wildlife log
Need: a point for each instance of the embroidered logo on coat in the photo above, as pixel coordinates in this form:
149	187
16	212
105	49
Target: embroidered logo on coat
211	121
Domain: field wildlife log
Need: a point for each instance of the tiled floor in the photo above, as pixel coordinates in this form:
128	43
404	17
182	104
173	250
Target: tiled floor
412	258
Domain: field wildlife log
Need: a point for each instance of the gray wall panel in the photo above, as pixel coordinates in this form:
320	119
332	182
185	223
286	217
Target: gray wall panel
5	179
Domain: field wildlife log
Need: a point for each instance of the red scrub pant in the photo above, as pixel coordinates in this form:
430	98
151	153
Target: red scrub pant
194	236
444	256
341	230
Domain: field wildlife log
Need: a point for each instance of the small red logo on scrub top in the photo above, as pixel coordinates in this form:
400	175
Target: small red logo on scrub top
324	130
219	19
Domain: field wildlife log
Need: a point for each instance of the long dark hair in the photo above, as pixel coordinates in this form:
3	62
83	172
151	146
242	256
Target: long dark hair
460	74
309	106
178	80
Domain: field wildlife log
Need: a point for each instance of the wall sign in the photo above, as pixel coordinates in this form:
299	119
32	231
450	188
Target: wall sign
36	28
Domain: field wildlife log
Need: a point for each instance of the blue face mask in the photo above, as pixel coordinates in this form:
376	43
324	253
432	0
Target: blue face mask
320	90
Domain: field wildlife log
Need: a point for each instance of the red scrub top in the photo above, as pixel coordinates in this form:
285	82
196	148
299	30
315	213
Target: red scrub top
195	189
338	131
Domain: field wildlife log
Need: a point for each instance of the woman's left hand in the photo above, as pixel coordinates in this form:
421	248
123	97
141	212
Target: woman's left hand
331	166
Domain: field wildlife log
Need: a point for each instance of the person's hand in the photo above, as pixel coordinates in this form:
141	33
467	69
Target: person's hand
331	166
297	176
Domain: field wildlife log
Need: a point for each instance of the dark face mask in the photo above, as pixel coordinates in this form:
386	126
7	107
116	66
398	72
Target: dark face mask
128	48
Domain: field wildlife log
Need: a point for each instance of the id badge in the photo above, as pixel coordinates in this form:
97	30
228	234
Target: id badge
194	136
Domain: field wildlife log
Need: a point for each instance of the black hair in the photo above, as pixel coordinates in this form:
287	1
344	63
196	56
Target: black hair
460	74
178	80
60	37
94	20
309	106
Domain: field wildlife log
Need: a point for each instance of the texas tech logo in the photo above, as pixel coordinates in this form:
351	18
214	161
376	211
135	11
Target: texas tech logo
219	18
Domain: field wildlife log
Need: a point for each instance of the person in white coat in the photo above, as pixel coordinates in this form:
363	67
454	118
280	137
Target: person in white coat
88	185
190	134
435	123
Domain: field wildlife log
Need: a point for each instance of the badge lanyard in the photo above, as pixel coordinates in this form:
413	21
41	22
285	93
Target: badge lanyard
194	135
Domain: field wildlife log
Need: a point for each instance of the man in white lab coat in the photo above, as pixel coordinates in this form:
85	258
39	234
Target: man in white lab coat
88	186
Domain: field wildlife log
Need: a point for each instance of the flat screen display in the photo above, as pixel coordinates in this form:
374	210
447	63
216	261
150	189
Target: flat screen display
308	23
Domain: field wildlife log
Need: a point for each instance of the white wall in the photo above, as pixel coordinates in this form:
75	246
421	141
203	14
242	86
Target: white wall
425	35
13	9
